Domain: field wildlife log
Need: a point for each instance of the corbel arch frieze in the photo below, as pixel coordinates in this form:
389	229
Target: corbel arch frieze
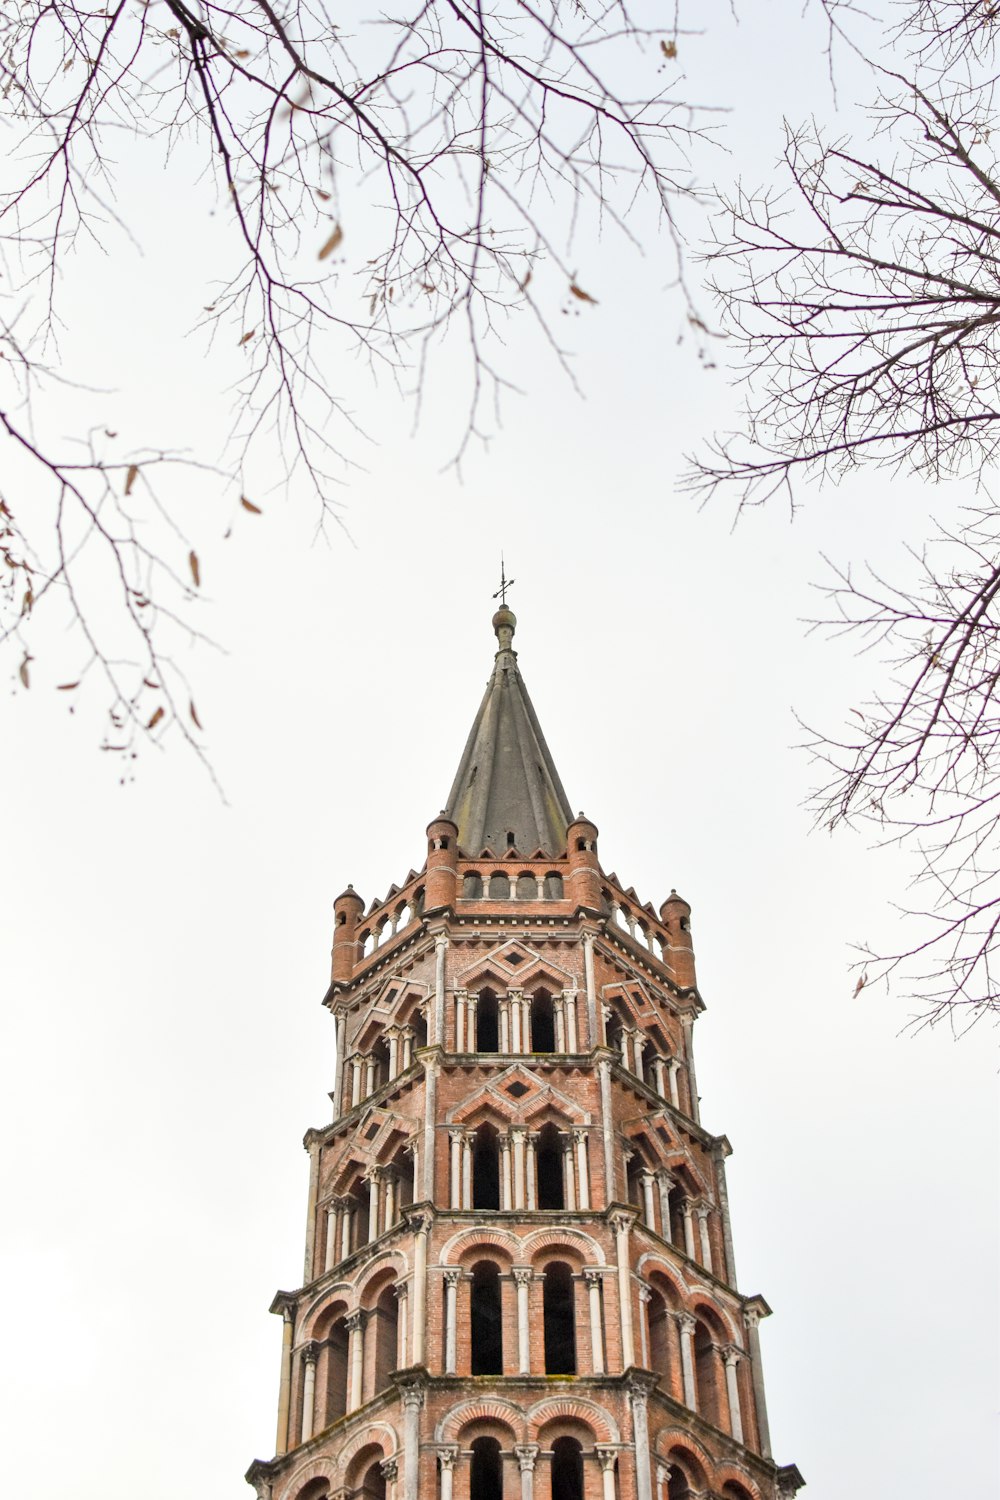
483	1410
572	1409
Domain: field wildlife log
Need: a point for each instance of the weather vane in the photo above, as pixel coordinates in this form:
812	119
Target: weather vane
505	584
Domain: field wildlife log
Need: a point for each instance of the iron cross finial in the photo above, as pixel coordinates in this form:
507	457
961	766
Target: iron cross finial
505	584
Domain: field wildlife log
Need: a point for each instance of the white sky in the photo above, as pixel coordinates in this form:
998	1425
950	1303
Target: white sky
164	955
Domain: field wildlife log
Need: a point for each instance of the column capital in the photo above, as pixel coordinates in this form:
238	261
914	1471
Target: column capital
526	1454
754	1309
515	992
460	992
374	1173
645	1292
310	1352
355	1321
580	1133
448	1457
453	1275
592	1274
411	1390
622	1219
389	1468
522	1275
606	1457
731	1354
458	1134
703	1210
640	1383
401	1291
686	1321
441	941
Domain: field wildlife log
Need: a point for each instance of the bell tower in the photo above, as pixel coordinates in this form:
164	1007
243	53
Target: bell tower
519	1280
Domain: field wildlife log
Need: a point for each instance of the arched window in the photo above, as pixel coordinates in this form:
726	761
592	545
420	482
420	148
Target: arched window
499	887
675	1203
560	1322
527	887
706	1375
554	887
487	1022
678	1488
336	1372
486	1478
403	1164
486	1169
549	1160
543	1025
633	1175
316	1489
472	886
386	1317
380	1052
418	1021
486	1320
372	1484
567	1469
659	1334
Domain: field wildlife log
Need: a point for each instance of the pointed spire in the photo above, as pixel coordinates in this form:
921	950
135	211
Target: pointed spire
507	792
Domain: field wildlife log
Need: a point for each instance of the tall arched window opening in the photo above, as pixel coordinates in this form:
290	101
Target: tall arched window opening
659	1334
336	1372
487	1022
372	1485
705	1375
567	1469
527	888
543	1025
486	1320
678	1488
486	1478
549	1158
554	887
486	1169
633	1176
386	1316
499	887
560	1323
472	887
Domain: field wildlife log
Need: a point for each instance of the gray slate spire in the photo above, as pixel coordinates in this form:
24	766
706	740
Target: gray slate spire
506	782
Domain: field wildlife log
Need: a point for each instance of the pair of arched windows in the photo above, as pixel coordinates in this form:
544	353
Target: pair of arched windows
486	1320
497	887
550	1169
486	1477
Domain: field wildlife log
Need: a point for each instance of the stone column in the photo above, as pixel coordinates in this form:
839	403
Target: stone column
506	1174
621	1223
527	1044
456	1137
569	1170
522	1280
753	1313
451	1278
593	1283
401	1292
607	1134
662	1479
392	1036
440	949
705	1244
639	1046
588	969
648	1207
467	1140
659	1077
421	1224
389	1180
346	1227
624	1049
516	1019
357	1062
312	1145
582	1168
686	1324
664	1183
430	1129
447	1458
355	1325
645	1297
606	1457
461	1004
406	1036
638	1399
572	1037
526	1454
503	1011
332	1215
309	1354
413	1400
559	1023
517	1137
673	1067
688	1023
369	1076
732	1356
340	1075
720	1150
531	1168
688	1211
471	1024
285	1383
390	1471
374	1175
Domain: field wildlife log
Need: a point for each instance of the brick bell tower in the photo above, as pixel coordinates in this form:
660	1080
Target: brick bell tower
519	1279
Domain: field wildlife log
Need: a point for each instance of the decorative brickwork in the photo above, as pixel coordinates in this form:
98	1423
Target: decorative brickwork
519	1279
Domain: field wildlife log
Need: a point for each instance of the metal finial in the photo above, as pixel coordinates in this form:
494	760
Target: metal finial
505	584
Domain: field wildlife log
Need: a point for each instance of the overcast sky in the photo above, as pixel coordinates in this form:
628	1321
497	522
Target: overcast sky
165	953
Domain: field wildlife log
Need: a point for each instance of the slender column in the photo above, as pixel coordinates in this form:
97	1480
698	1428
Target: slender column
392	1036
687	1210
506	1175
639	1046
522	1280
662	1479
447	1458
503	1007
705	1244
753	1314
686	1324
639	1400
588	969
355	1325
688	1023
389	1178
582	1168
407	1035
419	1336
731	1355
569	1171
648	1206
456	1137
673	1067
606	1014
346	1228
369	1076
664	1183
526	1041
285	1384
341	1069
540	887
374	1176
517	1136
645	1297
624	1048
451	1321
440	949
467	1139
606	1458
516	1019
312	1142
593	1282
430	1128
471	1024
332	1213
621	1224
390	1472
572	1037
559	1023
461	1005
659	1076
356	1065
413	1148
401	1292
607	1134
531	1169
413	1400
308	1390
526	1454
720	1150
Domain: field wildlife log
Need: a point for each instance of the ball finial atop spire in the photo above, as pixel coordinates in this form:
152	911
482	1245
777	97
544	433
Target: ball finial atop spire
504	621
